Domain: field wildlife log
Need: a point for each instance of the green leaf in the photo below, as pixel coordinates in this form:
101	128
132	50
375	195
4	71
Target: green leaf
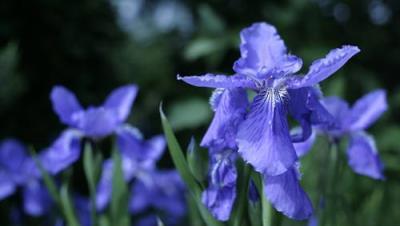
204	47
159	222
265	206
197	159
47	179
242	193
195	218
181	165
189	113
120	194
210	21
89	167
68	208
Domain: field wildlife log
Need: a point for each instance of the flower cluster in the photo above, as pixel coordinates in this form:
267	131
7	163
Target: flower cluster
258	130
153	192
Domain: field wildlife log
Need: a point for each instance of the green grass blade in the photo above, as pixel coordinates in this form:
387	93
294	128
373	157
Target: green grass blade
47	179
265	206
89	167
181	165
197	160
120	194
67	205
242	194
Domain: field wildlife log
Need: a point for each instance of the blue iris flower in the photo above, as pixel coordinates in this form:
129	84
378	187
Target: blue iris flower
18	170
93	122
263	137
362	154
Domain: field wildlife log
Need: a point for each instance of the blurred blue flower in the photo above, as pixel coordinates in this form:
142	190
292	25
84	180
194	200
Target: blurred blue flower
362	153
138	156
160	190
18	169
93	122
220	195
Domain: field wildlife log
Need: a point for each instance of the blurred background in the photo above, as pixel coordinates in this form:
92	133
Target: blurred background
92	47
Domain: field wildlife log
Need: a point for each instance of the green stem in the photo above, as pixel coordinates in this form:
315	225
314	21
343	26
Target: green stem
328	214
89	168
242	194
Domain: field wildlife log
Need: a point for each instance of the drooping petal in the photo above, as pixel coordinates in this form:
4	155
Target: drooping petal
139	200
302	148
62	153
223	171
305	107
263	138
131	143
65	104
97	122
220	195
169	193
363	157
13	156
287	196
7	185
263	52
219	81
367	110
104	187
162	190
229	113
325	67
37	201
340	110
219	201
121	100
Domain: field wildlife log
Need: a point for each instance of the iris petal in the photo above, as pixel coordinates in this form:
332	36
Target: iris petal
7	185
219	201
37	200
363	157
131	143
287	196
65	104
229	113
367	110
325	67
264	52
121	100
302	148
97	122
305	107
62	153
219	81
14	158
263	138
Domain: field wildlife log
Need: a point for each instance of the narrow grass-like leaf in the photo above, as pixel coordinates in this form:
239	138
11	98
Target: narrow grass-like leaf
89	166
181	165
47	179
159	222
197	160
242	194
265	206
67	205
195	218
120	194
